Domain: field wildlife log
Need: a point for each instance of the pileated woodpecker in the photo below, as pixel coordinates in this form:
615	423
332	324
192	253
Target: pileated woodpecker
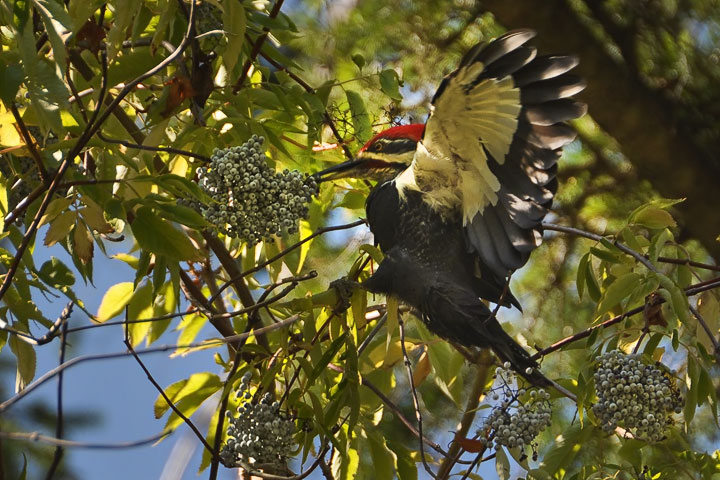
461	199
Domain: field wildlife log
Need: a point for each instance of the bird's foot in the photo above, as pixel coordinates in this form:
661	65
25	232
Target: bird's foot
344	288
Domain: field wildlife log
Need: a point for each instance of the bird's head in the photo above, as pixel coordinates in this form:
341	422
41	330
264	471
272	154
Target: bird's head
382	158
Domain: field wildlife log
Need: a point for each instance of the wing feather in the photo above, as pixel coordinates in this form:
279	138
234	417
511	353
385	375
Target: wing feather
492	142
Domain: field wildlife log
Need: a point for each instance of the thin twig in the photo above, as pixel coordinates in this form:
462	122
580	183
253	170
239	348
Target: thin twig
289	249
161	348
50	334
396	410
59	428
38	437
169	402
149	148
642	259
483	363
690	263
30	143
366	341
416	403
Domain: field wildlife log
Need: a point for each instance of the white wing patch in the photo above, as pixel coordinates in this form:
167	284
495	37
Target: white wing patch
450	164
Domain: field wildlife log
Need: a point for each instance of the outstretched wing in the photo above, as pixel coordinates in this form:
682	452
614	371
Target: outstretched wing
491	145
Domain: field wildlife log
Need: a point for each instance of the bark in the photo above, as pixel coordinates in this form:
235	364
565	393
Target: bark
638	118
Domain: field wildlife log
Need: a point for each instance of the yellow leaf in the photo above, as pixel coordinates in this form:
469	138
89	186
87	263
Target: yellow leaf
54	209
83	242
422	369
114	301
60	227
93	216
709	309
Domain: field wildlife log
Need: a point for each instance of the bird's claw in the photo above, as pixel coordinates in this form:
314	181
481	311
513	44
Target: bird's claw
344	288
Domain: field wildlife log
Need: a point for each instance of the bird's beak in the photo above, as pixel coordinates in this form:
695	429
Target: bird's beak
351	168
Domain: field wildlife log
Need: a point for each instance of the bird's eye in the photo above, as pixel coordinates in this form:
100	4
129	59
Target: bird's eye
379	146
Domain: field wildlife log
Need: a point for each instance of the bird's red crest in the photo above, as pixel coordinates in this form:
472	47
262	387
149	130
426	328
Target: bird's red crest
414	131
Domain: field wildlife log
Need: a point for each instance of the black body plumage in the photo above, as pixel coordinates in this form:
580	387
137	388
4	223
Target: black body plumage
428	265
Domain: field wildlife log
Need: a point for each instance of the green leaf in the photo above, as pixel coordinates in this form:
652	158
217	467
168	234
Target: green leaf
566	447
114	301
161	237
675	296
45	85
56	207
326	358
345	465
691	396
593	288
358	60
406	467
653	217
58	27
80	11
390	84
502	464
55	273
125	11
631	451
360	117
384	460
182	214
26	359
652	344
373	251
580	280
617	291
234	25
604	255
23	472
11	76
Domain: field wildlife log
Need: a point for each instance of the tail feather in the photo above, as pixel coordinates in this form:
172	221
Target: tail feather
458	315
508	350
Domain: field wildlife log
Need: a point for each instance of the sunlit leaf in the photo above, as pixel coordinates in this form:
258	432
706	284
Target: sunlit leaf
83	242
26	359
139	308
502	464
115	300
60	227
173	242
620	289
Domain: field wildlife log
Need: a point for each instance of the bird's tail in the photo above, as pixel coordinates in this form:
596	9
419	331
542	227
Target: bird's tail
508	350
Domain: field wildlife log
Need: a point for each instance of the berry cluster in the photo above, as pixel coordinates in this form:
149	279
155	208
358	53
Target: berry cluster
634	395
208	18
514	423
260	434
252	201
